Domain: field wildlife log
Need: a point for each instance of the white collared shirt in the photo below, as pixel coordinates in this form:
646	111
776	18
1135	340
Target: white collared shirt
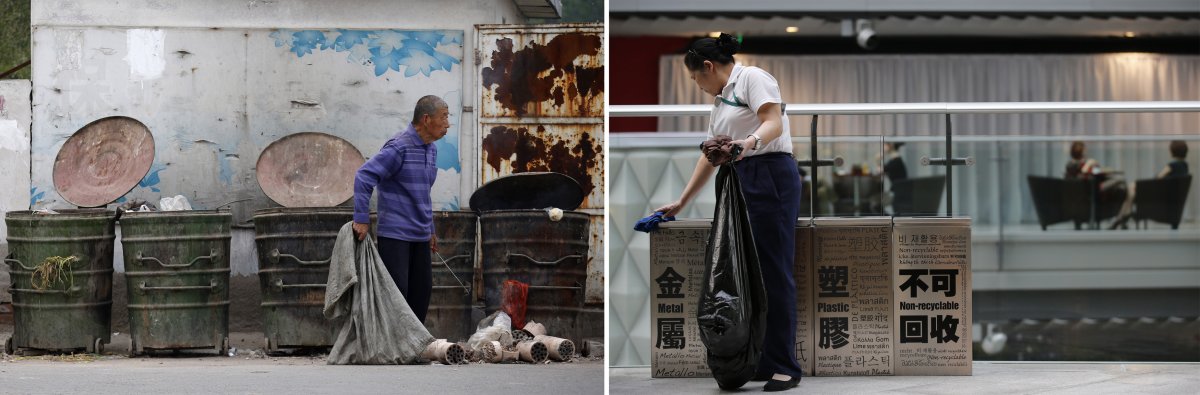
735	110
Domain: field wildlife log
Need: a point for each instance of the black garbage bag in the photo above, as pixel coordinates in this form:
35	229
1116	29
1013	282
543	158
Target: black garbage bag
732	312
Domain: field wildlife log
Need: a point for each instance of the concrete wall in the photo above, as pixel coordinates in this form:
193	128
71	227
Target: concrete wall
214	99
217	81
14	160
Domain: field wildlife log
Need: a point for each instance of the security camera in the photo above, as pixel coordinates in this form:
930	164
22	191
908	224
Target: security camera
865	34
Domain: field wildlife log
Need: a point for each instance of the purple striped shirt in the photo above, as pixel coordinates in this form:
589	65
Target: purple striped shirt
403	172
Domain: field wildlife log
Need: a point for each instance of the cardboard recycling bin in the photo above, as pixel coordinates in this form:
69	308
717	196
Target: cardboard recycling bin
852	296
876	296
932	310
676	279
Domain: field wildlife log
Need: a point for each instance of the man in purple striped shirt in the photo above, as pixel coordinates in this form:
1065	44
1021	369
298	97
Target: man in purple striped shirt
403	172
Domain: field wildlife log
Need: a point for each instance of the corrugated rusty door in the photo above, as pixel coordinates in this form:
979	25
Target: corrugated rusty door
541	108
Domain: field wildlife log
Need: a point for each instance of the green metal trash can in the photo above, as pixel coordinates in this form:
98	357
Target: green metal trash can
294	247
177	276
520	240
549	256
449	315
309	174
71	314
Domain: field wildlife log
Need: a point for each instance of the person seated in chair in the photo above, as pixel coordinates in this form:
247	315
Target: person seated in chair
1108	190
1080	166
1177	167
894	168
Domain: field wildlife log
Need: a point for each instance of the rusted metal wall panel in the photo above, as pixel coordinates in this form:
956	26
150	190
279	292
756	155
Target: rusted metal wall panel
541	108
542	71
576	150
594	289
542	102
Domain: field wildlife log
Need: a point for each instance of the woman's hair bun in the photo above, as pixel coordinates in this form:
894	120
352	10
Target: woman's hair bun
727	44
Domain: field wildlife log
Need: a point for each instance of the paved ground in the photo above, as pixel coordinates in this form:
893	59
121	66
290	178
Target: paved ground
252	372
988	378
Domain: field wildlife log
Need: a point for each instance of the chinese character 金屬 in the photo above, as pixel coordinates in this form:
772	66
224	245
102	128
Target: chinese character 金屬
669	284
670	333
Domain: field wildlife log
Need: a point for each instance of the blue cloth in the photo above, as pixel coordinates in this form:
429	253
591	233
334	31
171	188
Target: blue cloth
650	223
403	171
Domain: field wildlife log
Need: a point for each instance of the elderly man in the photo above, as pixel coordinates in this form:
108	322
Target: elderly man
403	172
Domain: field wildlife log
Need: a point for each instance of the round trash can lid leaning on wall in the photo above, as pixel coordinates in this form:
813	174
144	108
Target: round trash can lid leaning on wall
523	191
103	160
309	169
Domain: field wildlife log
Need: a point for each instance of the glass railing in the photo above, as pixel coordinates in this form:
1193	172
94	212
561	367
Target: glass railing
1095	267
1014	181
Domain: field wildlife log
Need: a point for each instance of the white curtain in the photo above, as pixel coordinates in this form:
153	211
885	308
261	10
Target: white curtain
965	78
982	78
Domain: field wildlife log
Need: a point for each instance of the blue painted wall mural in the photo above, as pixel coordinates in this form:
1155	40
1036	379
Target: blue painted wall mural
429	55
34	196
416	50
151	179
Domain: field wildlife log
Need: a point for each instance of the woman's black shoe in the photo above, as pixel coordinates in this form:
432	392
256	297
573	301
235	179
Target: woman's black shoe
776	385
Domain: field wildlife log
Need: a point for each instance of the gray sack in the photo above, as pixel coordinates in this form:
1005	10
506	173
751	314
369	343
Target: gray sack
376	326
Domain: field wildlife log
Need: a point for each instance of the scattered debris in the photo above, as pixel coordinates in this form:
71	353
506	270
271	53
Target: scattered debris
513	295
533	351
494	343
490	352
560	349
175	203
509	356
535	328
256	354
445	352
521	335
593	348
136	205
496	327
54	270
555	213
72	357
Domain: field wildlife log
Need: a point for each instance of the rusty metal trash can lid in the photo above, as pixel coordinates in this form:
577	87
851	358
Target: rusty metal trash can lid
525	191
309	169
103	161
